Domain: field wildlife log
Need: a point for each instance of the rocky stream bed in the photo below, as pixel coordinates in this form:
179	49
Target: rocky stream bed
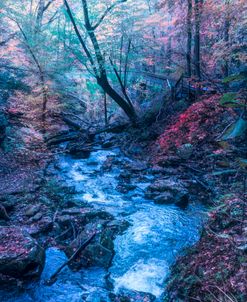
143	217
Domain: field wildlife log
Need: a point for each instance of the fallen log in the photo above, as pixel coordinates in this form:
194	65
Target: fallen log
61	138
53	277
73	124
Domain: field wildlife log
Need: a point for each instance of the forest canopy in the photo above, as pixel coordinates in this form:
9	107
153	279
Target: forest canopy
129	52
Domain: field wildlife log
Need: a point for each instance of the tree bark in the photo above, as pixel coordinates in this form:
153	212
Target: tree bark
227	25
169	44
197	38
129	110
105	110
189	37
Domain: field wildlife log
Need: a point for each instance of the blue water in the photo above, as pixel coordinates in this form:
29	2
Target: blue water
143	254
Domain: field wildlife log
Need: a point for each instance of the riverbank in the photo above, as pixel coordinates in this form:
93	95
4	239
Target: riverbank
215	268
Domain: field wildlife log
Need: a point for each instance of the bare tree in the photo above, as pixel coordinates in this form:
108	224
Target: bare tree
98	63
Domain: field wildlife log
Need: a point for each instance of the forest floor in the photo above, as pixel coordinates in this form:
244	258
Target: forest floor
213	270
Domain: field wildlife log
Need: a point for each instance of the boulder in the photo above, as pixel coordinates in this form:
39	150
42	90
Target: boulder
172	184
125	188
167	190
20	255
100	251
42	226
97	255
185	151
32	210
164	198
136	166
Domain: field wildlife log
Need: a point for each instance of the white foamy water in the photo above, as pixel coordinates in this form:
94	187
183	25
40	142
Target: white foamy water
145	276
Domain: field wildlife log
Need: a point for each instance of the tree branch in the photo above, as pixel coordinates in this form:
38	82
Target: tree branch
47	5
80	37
107	11
120	82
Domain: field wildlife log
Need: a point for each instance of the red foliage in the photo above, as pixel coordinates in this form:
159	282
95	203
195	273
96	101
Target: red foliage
193	125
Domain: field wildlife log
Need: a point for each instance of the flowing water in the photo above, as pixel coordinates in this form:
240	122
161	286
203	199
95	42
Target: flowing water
143	253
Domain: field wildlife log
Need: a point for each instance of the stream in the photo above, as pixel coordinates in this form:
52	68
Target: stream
144	253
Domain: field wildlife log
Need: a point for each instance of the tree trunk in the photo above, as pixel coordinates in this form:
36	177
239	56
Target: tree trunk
105	85
197	38
39	16
169	44
227	25
98	64
189	37
105	110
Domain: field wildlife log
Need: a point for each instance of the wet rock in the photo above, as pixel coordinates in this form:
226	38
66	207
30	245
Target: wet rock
101	250
136	166
20	254
42	226
106	239
79	150
81	216
45	200
164	198
108	144
125	175
125	188
183	202
119	226
109	163
64	220
163	171
156	170
135	150
37	217
97	255
168	184
126	295
167	190
32	210
185	151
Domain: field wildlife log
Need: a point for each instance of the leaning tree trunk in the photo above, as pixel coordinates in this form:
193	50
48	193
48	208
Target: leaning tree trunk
98	63
127	108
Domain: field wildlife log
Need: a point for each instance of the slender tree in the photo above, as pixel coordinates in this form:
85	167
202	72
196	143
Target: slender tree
227	25
189	37
197	38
